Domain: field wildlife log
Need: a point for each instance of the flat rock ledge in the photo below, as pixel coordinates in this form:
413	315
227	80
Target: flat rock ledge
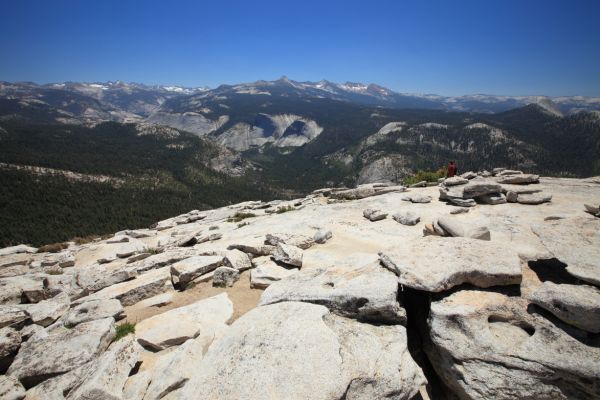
436	264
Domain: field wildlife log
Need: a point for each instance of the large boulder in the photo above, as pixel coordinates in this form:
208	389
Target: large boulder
11	388
406	217
374	215
225	276
462	228
367	293
130	292
300	350
301	241
165	258
267	271
13	316
96	277
577	305
288	254
364	191
172	370
25	288
10	341
204	319
534	198
417	198
486	345
185	271
46	312
93	310
436	264
475	188
518	179
575	242
21	248
105	379
236	259
61	351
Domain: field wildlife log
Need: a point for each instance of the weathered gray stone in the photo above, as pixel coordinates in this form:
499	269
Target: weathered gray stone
406	217
267	271
518	178
93	310
492	198
487	345
106	379
577	305
433	264
536	198
61	351
56	388
183	272
462	202
165	258
13	316
137	384
203	319
417	198
364	191
236	259
475	188
15	289
374	215
333	359
254	247
511	196
225	276
301	241
130	292
459	210
287	254
575	242
21	248
367	293
46	312
468	175
11	388
322	236
172	371
10	341
95	277
460	228
455	180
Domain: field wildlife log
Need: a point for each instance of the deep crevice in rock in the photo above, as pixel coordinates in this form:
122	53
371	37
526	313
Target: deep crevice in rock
552	270
417	305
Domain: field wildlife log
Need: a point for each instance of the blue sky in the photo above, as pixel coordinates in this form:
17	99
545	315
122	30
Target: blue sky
444	47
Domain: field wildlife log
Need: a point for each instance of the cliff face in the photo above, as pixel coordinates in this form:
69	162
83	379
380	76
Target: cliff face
483	287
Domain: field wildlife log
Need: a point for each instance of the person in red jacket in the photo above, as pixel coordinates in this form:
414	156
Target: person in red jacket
452	170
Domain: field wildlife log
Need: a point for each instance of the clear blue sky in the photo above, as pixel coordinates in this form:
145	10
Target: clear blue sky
446	47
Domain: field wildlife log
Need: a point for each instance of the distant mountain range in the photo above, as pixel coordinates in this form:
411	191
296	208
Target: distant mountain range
146	152
128	102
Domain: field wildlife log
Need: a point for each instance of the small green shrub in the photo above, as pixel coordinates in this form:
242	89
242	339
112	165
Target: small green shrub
55	272
154	250
239	216
427	176
284	209
53	248
243	224
124	329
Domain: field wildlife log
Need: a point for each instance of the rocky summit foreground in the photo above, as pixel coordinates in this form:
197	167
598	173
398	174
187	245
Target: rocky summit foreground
485	286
